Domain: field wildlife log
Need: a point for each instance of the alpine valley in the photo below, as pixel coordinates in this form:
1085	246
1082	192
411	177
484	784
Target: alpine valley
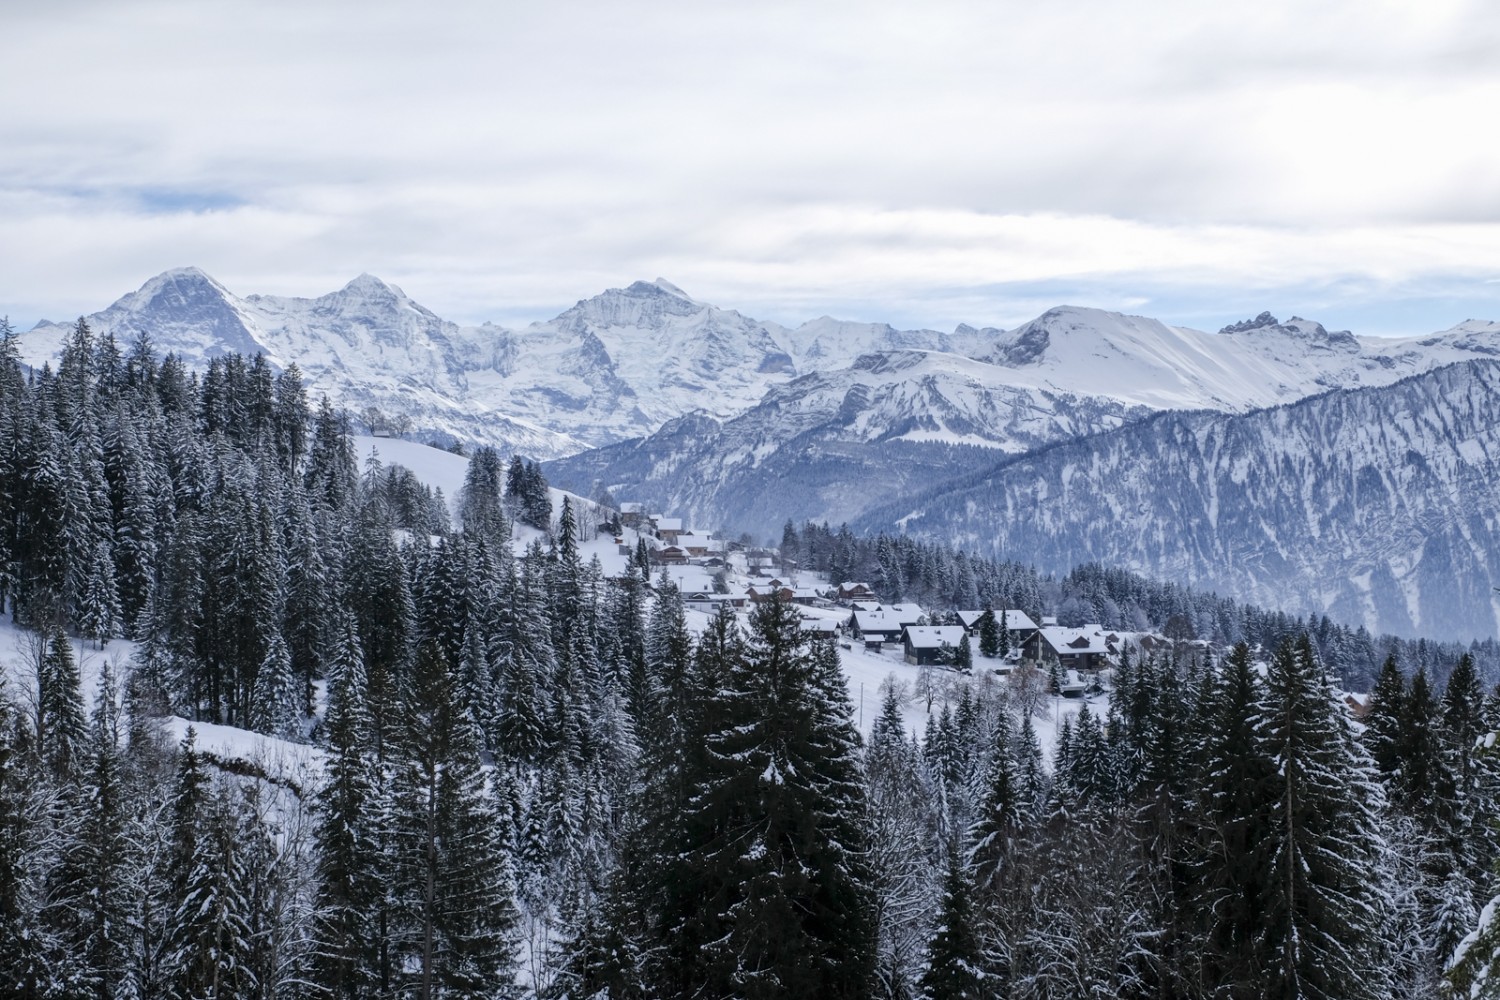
1278	461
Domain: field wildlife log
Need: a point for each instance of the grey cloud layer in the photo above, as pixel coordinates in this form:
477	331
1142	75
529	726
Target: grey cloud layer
499	158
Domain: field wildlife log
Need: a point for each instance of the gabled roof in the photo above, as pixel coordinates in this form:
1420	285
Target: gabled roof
667	523
934	636
1014	618
1075	641
878	621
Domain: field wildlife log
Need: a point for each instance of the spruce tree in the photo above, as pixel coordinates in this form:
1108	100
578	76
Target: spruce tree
1236	812
1322	913
771	858
61	731
452	879
347	842
955	965
989	634
1383	721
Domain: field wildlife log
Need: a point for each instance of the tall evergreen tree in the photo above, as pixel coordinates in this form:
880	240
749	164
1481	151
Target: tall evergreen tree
1322	913
453	876
956	965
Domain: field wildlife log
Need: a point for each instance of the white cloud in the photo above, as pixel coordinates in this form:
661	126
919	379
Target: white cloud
501	160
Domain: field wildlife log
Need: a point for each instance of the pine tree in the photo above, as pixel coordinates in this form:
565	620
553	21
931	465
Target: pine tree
1322	914
1000	811
1423	787
1383	722
211	938
1237	809
989	634
481	508
277	704
963	659
453	876
347	850
61	732
955	965
771	894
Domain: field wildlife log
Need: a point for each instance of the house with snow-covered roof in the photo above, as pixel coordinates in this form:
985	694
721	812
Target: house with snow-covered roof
1083	649
932	644
821	628
855	592
667	528
1017	622
878	627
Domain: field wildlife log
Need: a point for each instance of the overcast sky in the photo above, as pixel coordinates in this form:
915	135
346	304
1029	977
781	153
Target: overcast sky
923	164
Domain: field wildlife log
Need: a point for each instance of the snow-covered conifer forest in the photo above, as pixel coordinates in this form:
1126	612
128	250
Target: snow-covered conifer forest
277	723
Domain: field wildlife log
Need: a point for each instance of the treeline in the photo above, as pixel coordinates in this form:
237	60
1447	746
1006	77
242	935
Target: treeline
715	826
941	577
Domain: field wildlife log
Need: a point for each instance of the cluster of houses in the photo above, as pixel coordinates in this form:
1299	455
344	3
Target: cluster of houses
671	543
1072	656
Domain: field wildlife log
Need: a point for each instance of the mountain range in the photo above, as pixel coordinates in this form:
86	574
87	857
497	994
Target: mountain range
1377	505
742	423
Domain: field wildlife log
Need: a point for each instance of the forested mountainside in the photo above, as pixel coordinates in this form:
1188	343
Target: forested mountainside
1378	506
832	445
529	780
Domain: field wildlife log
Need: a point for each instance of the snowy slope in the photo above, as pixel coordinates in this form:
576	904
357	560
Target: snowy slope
829	445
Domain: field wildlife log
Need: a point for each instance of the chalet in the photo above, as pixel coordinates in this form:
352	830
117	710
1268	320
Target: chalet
633	515
822	628
932	644
761	593
709	603
1017	622
667	528
1079	649
695	543
759	563
855	592
669	555
879	627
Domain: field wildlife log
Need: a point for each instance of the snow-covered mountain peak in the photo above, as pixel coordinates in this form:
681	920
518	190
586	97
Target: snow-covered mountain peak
369	287
640	305
185	310
1309	332
671	289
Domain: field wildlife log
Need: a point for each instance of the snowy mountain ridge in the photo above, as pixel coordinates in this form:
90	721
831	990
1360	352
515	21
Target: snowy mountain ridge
620	365
1378	506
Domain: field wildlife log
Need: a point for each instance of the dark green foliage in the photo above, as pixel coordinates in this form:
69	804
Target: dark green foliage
1322	911
955	965
989	633
1236	816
